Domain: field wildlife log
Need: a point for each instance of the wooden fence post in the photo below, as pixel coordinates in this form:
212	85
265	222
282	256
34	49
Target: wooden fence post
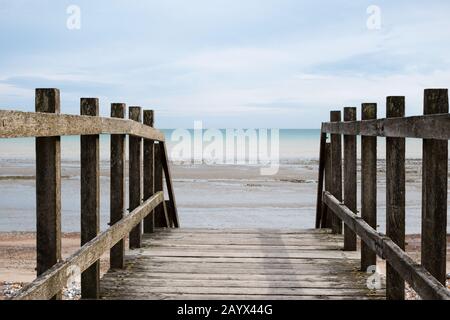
149	186
350	183
336	170
90	198
319	204
48	188
135	177
368	184
327	214
160	220
434	191
395	197
117	185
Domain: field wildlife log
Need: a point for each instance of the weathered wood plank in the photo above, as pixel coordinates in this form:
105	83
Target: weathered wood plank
368	184
173	216
434	191
416	275
17	124
54	279
427	127
48	188
336	170
117	185
350	179
135	176
160	220
327	216
90	198
395	197
322	160
149	173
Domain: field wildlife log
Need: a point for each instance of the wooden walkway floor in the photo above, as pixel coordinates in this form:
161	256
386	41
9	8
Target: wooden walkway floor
239	264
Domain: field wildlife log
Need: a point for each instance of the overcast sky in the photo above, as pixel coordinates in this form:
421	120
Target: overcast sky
230	63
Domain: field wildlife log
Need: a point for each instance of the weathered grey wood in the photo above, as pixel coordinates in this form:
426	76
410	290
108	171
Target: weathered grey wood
48	188
160	220
350	179
135	176
172	204
149	186
427	286
166	270
428	127
322	159
395	197
368	184
54	279
336	170
434	191
117	185
326	215
17	124
90	198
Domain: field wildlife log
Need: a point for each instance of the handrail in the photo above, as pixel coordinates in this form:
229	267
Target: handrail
335	205
417	276
436	126
47	125
17	124
50	282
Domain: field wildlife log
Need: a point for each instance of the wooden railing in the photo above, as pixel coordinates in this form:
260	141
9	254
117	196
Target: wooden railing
336	204
147	205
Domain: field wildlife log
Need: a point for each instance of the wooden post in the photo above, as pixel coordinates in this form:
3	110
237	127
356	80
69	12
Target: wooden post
160	221
173	217
368	184
336	169
135	181
350	179
90	199
327	214
149	186
395	197
319	204
117	185
48	188
434	191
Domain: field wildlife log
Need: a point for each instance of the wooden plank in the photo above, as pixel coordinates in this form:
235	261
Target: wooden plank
160	220
326	215
322	159
149	186
239	291
416	275
350	179
90	198
434	191
246	231
427	127
17	124
117	185
368	184
182	296
168	177
264	284
336	170
54	279
48	189
395	197
135	176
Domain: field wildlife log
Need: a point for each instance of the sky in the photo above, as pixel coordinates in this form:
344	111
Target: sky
228	63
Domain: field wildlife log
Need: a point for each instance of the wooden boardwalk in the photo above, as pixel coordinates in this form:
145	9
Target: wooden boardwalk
239	264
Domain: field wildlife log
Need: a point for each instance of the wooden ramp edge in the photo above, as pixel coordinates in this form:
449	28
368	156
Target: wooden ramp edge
245	264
